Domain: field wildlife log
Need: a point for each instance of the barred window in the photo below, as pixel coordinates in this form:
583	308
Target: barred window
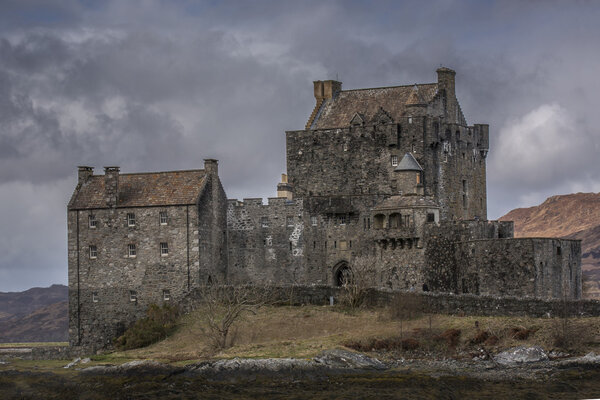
264	222
166	295
394	161
343	219
289	221
132	295
130	219
131	252
314	220
92	222
162	216
164	249
93	251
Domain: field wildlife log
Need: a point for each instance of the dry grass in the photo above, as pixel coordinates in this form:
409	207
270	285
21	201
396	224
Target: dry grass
32	344
306	331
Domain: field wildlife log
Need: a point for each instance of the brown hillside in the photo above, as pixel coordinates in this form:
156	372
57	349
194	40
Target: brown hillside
558	216
47	324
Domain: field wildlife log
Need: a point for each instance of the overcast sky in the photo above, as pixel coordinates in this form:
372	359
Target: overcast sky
161	85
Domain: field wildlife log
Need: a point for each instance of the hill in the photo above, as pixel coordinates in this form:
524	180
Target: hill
572	216
34	315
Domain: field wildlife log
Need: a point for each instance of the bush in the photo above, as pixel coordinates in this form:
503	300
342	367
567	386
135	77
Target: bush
160	322
388	344
451	337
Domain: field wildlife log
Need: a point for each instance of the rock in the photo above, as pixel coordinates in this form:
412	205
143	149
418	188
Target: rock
136	367
338	358
85	361
520	355
72	363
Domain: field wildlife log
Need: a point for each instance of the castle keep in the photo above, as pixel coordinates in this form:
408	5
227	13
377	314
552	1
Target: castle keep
393	175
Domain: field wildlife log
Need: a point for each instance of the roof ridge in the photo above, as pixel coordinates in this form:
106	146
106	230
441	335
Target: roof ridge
159	172
391	87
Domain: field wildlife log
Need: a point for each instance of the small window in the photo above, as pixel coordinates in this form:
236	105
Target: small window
130	219
162	217
289	221
166	295
335	244
93	251
131	250
343	245
407	220
464	201
133	296
92	221
164	249
394	161
264	222
430	217
95	297
410	120
343	219
313	220
558	251
418	178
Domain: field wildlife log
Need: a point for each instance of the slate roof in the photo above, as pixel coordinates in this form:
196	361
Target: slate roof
338	112
142	190
406	201
408	163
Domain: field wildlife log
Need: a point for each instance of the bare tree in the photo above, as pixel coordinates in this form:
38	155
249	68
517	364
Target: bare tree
357	280
222	307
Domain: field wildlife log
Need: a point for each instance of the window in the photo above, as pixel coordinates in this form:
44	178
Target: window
133	295
342	219
164	249
289	221
162	217
464	201
430	217
166	295
343	245
558	251
95	297
395	220
394	161
407	220
418	178
93	251
264	222
379	221
131	250
130	219
313	220
410	120
92	221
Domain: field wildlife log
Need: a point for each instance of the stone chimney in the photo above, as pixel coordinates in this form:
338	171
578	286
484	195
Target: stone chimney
211	166
111	186
285	189
84	173
323	90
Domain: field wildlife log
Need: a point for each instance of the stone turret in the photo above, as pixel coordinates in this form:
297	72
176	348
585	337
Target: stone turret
323	90
410	175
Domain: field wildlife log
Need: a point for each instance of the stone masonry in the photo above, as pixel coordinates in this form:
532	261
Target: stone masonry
392	175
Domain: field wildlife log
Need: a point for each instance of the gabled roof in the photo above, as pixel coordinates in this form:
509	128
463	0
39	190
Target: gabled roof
408	163
142	190
339	111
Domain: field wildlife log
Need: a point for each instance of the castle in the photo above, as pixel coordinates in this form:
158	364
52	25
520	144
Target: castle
391	174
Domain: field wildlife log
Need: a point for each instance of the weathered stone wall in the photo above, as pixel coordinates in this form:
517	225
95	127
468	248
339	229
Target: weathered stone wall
442	303
101	287
265	242
526	267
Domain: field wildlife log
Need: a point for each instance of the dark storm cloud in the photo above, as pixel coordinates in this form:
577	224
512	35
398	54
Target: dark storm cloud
157	85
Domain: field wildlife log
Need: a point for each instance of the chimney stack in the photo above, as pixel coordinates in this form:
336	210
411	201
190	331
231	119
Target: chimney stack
111	185
211	166
446	81
84	173
285	189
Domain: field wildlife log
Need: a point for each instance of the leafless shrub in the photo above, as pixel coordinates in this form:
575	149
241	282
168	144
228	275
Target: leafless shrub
357	280
223	307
